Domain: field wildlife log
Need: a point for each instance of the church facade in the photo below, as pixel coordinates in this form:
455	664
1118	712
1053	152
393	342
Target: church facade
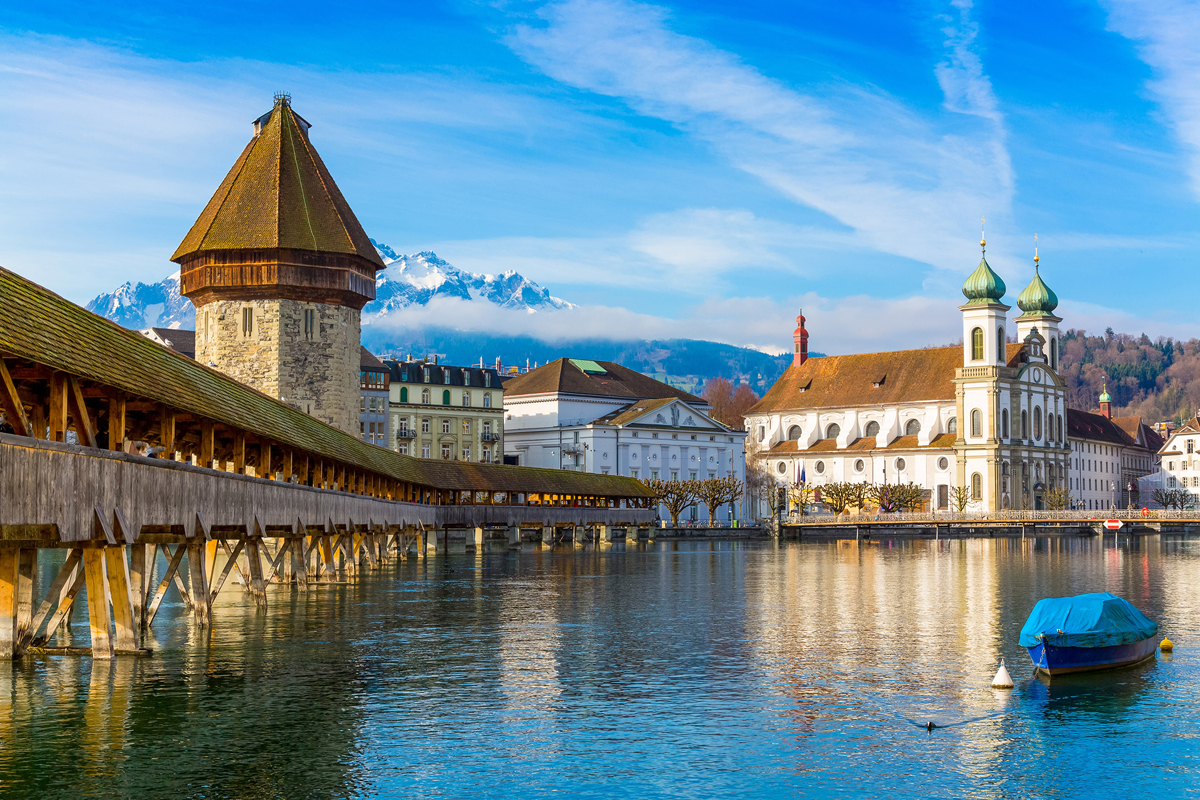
989	416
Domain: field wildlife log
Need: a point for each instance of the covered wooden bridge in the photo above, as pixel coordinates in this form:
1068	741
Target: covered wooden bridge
116	448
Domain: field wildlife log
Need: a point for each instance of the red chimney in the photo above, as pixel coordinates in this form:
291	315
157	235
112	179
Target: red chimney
800	337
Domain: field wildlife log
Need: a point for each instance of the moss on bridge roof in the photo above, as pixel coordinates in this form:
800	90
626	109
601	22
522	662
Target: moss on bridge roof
40	326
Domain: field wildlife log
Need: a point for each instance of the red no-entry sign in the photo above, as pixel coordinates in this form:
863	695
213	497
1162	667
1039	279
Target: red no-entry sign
1113	524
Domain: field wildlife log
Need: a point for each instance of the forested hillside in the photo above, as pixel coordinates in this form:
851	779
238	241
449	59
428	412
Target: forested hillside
1157	380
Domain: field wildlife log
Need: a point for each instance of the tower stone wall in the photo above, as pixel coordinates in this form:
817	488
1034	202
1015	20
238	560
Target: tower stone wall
312	364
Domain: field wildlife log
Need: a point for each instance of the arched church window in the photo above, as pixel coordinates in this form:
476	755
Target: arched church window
952	425
977	344
1000	345
912	427
1054	353
794	433
1060	429
1037	423
976	422
1004	423
872	429
1024	424
833	431
976	486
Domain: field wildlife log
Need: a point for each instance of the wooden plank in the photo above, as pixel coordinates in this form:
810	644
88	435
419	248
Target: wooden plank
171	574
122	598
280	556
141	652
300	565
26	590
207	443
229	564
54	595
258	586
239	452
97	594
288	463
9	561
58	407
263	470
116	421
40	533
79	413
101	526
199	581
167	432
65	603
10	403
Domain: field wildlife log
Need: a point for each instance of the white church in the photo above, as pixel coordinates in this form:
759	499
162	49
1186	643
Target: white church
988	416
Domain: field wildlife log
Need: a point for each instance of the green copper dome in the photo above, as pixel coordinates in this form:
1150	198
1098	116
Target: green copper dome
983	286
1037	300
1104	398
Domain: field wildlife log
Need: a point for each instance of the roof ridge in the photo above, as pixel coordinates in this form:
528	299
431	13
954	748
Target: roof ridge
343	227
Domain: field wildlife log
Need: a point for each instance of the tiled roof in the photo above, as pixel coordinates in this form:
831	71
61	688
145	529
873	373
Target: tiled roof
178	339
40	326
943	441
1096	427
368	361
1133	426
414	372
279	195
564	377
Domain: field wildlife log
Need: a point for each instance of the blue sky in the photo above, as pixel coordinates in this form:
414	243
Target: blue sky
694	169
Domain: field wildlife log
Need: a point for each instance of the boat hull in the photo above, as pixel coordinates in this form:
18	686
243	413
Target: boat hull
1054	660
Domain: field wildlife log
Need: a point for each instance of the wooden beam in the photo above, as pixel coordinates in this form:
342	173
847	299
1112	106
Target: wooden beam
58	407
122	597
239	452
26	589
207	443
79	414
166	436
65	601
97	593
9	561
229	564
199	580
116	421
264	461
288	465
171	574
10	403
54	595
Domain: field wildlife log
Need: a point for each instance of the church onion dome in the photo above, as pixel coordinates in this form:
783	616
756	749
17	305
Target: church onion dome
1104	397
1037	300
983	286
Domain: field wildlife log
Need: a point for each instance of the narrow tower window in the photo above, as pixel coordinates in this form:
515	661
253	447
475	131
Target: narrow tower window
976	422
976	486
1054	354
310	324
1000	345
247	322
1024	424
1004	423
977	344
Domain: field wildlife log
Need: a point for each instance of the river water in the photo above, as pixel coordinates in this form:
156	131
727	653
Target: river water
666	670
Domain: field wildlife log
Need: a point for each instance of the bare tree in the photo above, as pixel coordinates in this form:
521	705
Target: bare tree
716	492
729	403
744	399
960	498
675	496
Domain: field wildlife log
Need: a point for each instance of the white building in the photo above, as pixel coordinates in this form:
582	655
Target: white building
597	416
1180	459
1109	456
988	416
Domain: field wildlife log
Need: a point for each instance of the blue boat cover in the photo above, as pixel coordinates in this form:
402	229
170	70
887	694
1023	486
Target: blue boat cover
1099	619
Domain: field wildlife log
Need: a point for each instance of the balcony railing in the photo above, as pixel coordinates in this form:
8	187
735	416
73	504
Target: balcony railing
489	437
1097	516
405	433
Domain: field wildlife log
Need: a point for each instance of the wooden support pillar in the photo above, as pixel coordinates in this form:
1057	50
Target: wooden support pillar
10	403
141	561
79	413
258	587
327	555
210	558
199	579
26	590
263	470
288	465
299	565
58	407
121	596
167	433
97	601
172	574
9	560
116	421
239	452
58	598
208	443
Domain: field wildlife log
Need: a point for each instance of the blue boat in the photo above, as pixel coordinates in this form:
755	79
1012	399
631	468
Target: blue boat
1087	632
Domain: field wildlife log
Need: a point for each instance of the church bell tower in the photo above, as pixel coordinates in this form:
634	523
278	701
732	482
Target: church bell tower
279	269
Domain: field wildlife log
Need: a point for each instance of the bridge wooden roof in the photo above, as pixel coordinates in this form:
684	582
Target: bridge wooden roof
40	326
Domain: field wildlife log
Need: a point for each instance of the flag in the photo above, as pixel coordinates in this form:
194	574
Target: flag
800	479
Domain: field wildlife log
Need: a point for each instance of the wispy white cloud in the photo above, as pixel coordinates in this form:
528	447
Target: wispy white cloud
1166	33
905	183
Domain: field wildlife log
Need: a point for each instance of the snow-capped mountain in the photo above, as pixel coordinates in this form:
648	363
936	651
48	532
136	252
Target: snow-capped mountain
406	281
147	305
417	279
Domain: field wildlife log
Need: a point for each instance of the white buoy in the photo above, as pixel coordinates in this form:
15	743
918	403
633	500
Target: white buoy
1002	679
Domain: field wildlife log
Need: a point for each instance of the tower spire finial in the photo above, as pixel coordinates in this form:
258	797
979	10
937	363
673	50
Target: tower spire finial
1035	254
982	236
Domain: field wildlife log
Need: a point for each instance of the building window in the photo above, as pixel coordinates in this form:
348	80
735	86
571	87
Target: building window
467	426
425	396
466	399
1190	446
976	486
1024	424
952	425
912	427
445	426
794	433
446	377
859	465
247	322
872	429
819	467
402	449
425	426
310	324
362	404
976	422
485	456
466	453
1037	422
426	375
445	452
900	465
943	463
403	394
487	427
424	451
832	431
977	344
762	433
781	468
445	397
1000	345
1004	423
487	400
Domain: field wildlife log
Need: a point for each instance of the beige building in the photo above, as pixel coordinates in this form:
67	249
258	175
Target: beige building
446	412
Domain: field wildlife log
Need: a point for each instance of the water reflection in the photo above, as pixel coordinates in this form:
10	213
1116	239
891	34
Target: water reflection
677	669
